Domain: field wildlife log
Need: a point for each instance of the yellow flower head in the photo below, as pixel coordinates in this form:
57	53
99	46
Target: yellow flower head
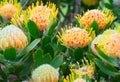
45	73
95	15
41	14
12	36
108	42
8	8
77	74
88	69
90	2
74	37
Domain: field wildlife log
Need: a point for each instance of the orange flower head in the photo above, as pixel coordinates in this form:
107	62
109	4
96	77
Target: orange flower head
9	8
78	73
45	73
101	17
74	37
41	16
12	37
86	70
94	15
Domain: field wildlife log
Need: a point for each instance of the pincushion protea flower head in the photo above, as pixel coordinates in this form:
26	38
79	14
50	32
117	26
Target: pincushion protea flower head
45	73
12	36
108	42
42	15
74	37
8	8
86	68
101	17
90	2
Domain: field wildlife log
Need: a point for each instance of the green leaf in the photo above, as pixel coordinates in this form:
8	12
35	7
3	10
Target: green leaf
52	27
11	68
24	3
10	53
65	69
57	61
3	60
27	65
90	56
45	40
116	79
4	73
78	53
95	27
33	29
62	47
19	68
104	69
47	58
49	49
110	60
30	47
38	59
77	23
2	20
71	52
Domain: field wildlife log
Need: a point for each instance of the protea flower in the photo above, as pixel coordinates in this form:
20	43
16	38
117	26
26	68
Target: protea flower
74	37
88	69
45	73
90	2
108	42
12	36
77	73
102	18
8	8
42	15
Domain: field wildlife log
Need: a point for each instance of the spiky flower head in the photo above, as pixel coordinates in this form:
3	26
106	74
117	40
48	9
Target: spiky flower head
45	73
86	68
78	73
108	42
101	17
8	8
12	36
42	15
74	37
90	2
